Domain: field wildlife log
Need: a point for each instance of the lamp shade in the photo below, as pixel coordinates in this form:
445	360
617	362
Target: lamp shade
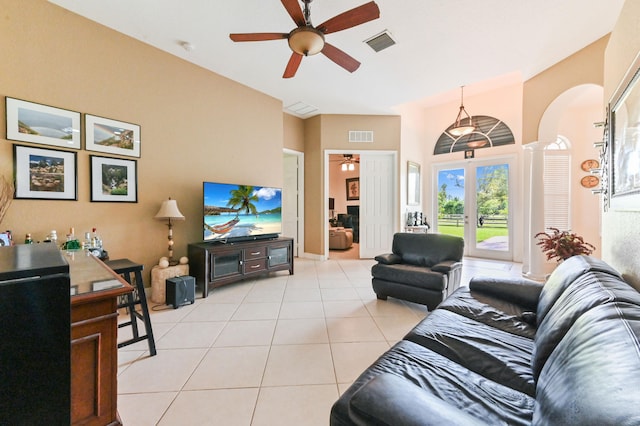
169	210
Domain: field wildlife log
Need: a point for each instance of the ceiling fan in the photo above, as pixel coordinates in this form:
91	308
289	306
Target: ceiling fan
305	39
347	162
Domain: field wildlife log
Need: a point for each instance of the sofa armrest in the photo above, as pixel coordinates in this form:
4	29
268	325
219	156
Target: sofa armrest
388	258
518	290
446	266
391	400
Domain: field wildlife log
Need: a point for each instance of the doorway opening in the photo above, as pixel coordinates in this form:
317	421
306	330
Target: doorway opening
344	206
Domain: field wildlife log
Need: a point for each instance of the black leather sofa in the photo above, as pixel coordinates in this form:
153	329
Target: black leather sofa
422	268
512	352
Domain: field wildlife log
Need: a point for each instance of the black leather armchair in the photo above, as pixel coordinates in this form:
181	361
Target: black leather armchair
422	268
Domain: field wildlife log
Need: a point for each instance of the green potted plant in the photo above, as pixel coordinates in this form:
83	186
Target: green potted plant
561	245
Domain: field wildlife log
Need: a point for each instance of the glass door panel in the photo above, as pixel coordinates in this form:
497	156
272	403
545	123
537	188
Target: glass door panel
451	202
492	208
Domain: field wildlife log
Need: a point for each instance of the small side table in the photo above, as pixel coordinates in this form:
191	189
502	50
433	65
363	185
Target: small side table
159	277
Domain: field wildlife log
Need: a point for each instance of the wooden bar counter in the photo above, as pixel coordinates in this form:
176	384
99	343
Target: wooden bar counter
94	329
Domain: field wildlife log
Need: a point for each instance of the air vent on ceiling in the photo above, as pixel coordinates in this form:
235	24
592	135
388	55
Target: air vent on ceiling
381	41
300	108
361	136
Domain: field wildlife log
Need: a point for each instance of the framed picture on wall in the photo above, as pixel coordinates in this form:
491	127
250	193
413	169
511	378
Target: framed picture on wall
44	174
624	137
111	136
113	179
353	189
42	124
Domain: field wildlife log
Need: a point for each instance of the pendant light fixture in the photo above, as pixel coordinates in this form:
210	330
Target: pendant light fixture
460	129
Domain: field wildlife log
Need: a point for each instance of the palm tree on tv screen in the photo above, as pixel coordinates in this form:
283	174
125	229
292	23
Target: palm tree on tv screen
243	198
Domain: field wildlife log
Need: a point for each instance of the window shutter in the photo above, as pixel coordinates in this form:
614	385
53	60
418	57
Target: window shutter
557	189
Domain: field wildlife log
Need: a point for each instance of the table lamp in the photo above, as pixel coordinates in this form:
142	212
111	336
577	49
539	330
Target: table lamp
168	211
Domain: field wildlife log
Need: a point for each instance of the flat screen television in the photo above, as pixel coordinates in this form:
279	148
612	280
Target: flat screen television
240	212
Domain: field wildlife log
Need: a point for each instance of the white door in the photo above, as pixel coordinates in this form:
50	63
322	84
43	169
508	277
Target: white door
291	200
377	201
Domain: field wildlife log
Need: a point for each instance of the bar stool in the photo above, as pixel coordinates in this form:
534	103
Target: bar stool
125	267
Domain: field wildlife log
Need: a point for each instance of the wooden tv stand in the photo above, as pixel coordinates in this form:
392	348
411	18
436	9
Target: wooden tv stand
214	263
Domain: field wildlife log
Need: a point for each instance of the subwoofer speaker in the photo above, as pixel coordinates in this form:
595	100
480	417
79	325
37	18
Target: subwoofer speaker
180	291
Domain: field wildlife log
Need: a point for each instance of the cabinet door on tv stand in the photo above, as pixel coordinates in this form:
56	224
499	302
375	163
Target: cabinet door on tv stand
226	264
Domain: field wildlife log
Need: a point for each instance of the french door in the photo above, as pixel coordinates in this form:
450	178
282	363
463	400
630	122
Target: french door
473	201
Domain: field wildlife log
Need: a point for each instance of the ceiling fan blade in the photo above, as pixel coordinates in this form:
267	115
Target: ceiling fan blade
351	18
295	11
258	36
292	65
340	58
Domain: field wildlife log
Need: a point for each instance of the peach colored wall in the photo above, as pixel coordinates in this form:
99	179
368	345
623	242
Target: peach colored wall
620	229
583	67
194	126
576	125
293	132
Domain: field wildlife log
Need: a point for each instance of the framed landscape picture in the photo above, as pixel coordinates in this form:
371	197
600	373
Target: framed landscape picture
42	124
45	174
111	136
114	179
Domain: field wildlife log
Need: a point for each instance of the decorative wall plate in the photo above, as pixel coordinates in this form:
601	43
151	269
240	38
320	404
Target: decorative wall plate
590	181
587	165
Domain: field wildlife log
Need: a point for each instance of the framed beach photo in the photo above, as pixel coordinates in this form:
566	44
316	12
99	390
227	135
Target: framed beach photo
44	174
111	136
113	179
42	124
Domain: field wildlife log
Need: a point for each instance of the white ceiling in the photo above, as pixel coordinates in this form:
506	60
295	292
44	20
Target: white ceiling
441	44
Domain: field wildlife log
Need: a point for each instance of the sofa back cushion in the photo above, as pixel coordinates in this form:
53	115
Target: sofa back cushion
564	275
592	377
427	249
583	294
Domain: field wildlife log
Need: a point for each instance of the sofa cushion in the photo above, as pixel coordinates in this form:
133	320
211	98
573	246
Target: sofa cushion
502	357
583	294
390	400
492	310
457	386
427	249
592	377
564	275
415	276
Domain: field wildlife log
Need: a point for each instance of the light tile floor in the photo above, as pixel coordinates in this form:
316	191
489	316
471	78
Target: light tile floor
276	350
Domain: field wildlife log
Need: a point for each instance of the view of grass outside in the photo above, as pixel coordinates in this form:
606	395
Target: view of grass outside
482	234
491	200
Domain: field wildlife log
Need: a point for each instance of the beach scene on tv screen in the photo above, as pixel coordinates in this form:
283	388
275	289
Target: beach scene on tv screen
237	211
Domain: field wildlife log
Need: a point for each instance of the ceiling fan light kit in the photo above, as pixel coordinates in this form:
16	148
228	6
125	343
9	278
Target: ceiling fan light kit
308	40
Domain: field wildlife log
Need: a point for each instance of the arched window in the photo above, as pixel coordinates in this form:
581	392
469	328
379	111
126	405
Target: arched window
557	184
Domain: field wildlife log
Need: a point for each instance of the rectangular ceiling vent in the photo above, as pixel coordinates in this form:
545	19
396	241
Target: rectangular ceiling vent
301	109
381	41
361	136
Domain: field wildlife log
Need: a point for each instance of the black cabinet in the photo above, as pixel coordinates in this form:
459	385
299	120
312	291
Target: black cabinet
35	349
215	264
